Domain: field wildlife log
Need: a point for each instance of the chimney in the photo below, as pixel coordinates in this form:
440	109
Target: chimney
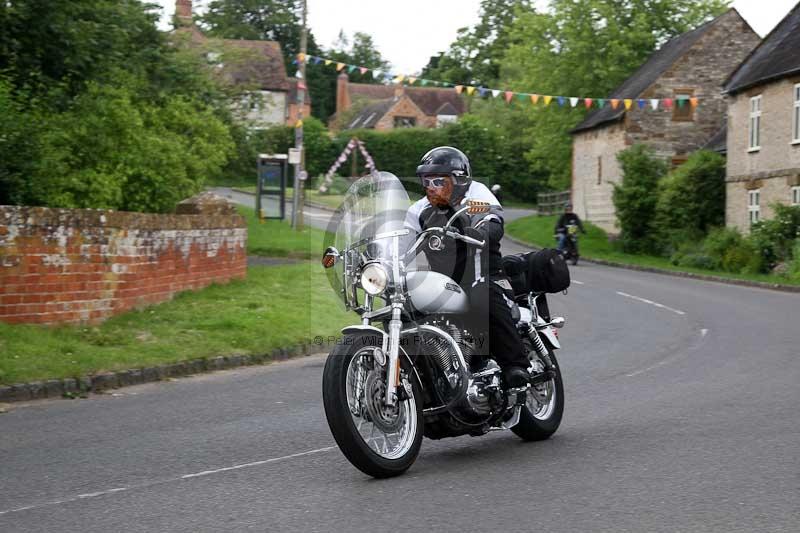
183	12
342	93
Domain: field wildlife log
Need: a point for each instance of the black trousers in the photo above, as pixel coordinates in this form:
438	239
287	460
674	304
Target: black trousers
490	306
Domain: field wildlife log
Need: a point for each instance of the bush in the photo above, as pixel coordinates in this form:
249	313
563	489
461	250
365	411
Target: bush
495	158
691	199
110	151
775	238
635	198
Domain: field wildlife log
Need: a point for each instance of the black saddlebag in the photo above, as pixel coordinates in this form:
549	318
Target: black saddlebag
542	271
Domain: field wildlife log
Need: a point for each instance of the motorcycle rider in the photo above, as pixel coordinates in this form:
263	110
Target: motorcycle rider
447	179
567	218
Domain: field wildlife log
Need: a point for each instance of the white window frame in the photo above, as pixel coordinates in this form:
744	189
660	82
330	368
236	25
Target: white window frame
754	129
796	115
754	205
796	195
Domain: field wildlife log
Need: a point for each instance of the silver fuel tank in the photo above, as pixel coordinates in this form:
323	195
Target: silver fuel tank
434	293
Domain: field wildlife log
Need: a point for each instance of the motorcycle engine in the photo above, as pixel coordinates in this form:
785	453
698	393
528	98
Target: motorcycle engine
483	381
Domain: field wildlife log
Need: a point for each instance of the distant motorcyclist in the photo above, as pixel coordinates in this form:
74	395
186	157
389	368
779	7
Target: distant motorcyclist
567	218
446	176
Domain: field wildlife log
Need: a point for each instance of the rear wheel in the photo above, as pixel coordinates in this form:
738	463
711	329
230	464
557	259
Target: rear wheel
380	440
542	412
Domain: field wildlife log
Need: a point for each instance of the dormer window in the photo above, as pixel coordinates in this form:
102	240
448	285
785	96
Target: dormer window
405	122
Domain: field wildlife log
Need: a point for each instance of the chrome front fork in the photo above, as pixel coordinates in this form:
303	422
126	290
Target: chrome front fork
393	370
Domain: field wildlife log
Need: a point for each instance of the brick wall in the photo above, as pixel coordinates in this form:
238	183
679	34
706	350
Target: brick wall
405	107
85	265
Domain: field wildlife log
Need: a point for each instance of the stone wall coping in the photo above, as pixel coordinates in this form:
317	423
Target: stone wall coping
107	218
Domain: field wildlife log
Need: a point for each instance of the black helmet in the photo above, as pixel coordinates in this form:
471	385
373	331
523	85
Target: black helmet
450	161
568	205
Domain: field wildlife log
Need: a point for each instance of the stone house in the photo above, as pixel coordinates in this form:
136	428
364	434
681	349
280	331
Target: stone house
384	107
692	65
271	96
763	136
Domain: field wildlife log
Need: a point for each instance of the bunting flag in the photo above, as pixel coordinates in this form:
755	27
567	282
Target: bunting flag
352	145
655	104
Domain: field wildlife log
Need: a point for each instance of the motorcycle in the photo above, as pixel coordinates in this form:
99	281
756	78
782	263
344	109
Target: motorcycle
412	367
570	250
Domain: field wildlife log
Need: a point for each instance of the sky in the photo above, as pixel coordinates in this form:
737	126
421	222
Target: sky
408	33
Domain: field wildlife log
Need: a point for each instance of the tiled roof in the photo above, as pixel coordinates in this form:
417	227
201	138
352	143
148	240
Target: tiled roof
777	56
428	99
262	67
658	63
719	141
370	115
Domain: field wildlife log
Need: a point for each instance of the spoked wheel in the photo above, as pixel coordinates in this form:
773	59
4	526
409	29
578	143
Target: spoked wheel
378	439
541	415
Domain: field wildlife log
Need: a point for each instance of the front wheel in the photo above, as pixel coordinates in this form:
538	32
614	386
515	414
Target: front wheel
380	440
544	407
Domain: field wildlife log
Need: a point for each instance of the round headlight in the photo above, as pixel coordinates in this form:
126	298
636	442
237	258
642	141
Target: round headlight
374	279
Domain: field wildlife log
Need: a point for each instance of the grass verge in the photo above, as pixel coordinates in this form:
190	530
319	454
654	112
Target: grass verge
595	245
275	307
276	238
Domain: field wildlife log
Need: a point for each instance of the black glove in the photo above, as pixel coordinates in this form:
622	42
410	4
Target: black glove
474	233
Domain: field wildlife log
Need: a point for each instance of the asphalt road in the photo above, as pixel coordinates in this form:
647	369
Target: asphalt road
681	415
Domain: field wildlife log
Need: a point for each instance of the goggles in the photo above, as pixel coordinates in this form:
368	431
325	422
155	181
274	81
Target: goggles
434	181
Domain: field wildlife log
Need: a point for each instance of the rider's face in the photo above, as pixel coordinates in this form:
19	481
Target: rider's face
438	189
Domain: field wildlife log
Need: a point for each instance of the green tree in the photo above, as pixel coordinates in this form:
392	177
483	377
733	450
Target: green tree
111	151
635	198
476	54
67	43
585	48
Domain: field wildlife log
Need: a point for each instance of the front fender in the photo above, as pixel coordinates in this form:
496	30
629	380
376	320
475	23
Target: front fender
549	333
